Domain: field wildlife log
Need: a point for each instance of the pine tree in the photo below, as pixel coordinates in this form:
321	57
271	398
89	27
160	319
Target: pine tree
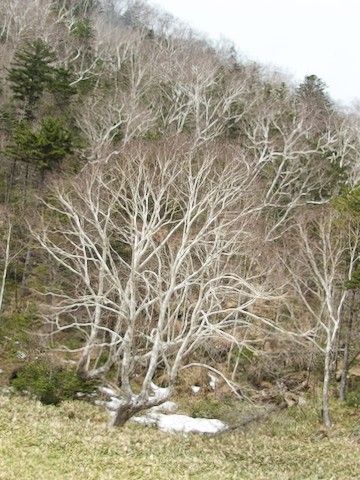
30	73
314	90
45	147
60	86
78	8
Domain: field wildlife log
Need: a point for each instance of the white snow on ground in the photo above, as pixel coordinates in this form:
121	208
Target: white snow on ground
181	423
109	392
113	404
171	423
185	424
195	389
165	407
213	381
159	393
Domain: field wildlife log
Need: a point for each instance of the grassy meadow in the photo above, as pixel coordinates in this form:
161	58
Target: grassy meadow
72	441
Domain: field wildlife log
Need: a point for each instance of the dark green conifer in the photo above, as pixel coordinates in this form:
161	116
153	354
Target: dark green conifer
60	86
45	147
30	73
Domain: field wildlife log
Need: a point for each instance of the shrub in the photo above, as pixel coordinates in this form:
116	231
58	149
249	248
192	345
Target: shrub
353	398
48	383
16	327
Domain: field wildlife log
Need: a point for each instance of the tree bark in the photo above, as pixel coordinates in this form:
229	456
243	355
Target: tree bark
135	405
6	264
326	385
27	266
343	381
125	412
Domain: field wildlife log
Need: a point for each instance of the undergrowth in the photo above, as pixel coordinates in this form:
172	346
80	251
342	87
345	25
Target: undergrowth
49	383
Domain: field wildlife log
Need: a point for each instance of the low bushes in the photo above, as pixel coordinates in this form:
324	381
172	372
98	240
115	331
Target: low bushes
49	383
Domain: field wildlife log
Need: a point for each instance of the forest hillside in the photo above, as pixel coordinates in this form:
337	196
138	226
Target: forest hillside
171	213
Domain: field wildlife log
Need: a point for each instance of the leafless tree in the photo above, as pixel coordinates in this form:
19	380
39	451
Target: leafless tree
5	255
303	161
154	261
9	248
320	262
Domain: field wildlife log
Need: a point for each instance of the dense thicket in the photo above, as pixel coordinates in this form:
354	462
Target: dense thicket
186	206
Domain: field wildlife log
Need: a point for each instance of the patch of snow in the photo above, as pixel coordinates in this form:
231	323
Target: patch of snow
21	355
159	393
80	394
185	424
170	423
109	392
182	423
195	389
164	407
145	420
213	381
1	370
113	404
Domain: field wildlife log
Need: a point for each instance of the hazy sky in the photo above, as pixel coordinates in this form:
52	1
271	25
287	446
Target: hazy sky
301	37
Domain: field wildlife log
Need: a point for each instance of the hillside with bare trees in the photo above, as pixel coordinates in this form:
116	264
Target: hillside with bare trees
170	210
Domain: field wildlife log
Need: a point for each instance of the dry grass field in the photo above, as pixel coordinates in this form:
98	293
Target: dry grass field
72	441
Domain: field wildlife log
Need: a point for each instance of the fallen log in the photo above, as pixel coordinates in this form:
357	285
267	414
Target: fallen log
254	418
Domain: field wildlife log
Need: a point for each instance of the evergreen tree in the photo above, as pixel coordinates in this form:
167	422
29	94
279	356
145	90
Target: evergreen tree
78	8
45	147
60	86
313	90
83	29
30	73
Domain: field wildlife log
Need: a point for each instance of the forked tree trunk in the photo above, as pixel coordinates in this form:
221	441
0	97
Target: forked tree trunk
125	412
133	404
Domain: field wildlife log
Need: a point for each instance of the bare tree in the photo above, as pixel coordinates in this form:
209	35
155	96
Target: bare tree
6	257
10	247
154	261
302	159
320	263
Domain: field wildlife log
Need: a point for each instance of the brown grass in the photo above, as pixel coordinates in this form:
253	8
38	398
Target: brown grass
73	442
